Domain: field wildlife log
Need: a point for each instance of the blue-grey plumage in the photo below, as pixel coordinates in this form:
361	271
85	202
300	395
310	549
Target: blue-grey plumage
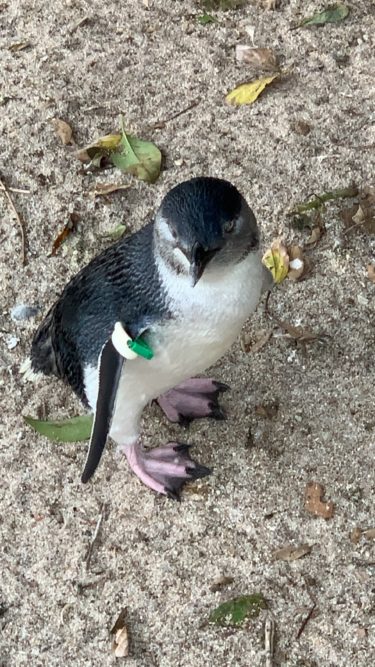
187	282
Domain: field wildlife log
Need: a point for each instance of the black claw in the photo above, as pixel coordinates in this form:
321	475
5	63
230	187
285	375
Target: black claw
184	421
221	386
172	494
182	447
198	472
217	412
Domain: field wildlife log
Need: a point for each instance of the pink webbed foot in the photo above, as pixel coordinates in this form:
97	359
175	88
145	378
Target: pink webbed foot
164	469
193	399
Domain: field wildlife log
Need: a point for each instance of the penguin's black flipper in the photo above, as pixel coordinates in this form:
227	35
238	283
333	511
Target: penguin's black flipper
110	367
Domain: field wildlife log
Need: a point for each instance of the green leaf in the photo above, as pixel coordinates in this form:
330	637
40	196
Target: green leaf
332	14
137	157
66	430
236	611
206	18
116	233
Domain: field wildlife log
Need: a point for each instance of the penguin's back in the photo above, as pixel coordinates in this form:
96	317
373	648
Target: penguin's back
121	284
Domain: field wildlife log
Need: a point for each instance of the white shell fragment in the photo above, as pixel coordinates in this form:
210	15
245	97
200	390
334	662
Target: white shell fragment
120	341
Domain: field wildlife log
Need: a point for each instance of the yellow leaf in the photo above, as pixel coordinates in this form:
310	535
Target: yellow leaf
276	260
247	93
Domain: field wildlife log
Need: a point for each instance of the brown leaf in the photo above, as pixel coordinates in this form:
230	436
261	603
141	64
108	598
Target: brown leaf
298	265
267	411
371	272
315	235
356	535
301	127
291	553
70	227
19	46
120	645
261	340
220	583
314	502
369	534
63	131
102	189
361	215
260	59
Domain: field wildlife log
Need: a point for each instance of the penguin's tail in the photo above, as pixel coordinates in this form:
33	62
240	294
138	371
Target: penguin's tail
42	357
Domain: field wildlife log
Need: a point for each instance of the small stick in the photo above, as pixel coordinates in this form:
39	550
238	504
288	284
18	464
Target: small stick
94	538
160	124
19	191
19	220
305	621
269	637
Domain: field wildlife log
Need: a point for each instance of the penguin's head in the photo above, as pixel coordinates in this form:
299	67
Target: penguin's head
204	226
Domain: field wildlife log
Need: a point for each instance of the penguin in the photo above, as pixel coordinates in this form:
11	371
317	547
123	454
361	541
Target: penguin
148	314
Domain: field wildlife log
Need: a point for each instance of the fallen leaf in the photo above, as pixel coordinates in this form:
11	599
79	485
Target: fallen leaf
63	131
301	127
356	535
236	611
361	215
371	272
332	14
102	189
220	583
137	157
94	154
247	93
120	644
298	265
18	46
116	233
369	534
257	58
315	235
291	553
267	411
314	502
205	19
276	260
261	340
69	227
66	430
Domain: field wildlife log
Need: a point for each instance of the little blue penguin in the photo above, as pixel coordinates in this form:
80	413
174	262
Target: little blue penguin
182	286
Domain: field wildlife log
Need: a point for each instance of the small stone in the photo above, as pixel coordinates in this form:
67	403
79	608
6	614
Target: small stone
301	127
23	312
12	342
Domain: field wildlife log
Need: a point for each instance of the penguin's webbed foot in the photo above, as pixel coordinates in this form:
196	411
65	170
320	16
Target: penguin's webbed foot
164	469
193	399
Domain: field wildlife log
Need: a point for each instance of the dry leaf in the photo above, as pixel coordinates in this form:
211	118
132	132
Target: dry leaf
247	346
301	127
247	93
314	502
63	131
102	189
298	265
371	272
276	260
258	58
220	583
120	645
291	553
19	46
356	535
315	235
369	534
267	411
70	227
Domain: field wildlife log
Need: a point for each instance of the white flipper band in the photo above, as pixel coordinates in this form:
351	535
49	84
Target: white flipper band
120	341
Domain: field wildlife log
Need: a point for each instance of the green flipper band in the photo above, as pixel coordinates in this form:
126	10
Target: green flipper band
141	348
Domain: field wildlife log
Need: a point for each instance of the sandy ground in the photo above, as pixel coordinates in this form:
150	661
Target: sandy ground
87	62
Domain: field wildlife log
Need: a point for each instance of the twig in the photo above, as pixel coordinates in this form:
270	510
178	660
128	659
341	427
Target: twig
20	191
161	123
305	621
94	538
19	220
269	637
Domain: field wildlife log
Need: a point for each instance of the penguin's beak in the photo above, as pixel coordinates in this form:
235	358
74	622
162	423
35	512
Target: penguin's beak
199	260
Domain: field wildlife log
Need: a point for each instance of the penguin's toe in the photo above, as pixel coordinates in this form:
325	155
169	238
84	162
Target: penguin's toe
165	469
194	399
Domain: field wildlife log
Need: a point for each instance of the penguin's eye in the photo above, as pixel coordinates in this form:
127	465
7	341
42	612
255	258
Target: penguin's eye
229	226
